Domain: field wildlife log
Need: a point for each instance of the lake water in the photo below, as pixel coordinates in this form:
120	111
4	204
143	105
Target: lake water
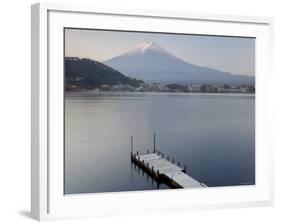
214	134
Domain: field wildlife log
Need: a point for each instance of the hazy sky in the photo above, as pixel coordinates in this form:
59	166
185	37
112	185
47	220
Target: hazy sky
228	54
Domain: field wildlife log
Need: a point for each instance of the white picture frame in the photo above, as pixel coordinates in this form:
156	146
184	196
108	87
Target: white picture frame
47	198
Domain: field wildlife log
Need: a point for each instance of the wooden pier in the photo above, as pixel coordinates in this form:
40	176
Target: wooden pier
163	169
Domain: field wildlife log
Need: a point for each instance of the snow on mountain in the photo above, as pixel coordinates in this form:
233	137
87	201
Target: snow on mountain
145	47
150	62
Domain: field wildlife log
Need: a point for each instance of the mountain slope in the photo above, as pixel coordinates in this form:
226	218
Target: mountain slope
89	74
150	62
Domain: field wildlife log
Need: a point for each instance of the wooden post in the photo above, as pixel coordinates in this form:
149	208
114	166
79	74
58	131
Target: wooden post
173	161
168	158
179	164
154	142
184	170
132	147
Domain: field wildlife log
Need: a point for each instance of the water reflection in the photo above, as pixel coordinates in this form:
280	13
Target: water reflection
213	134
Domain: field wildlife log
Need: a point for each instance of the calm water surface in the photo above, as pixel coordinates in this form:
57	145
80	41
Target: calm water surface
213	134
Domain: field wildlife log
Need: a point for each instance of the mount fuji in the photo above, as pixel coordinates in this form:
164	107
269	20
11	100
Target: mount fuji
152	63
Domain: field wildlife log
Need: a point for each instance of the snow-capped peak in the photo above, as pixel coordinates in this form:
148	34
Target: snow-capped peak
146	46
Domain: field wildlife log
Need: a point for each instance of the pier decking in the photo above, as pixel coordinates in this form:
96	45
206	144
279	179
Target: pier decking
164	170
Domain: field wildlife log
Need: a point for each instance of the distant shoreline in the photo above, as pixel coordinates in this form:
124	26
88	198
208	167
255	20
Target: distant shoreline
105	93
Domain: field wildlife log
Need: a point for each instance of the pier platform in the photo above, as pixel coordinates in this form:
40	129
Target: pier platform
165	170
